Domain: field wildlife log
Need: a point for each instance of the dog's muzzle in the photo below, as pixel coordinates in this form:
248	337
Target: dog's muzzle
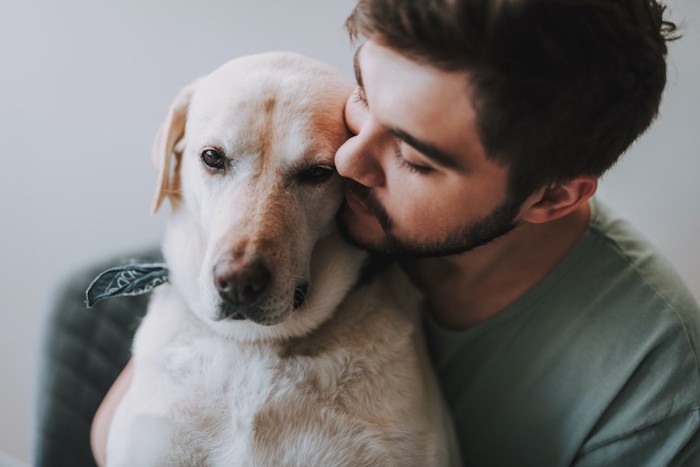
242	285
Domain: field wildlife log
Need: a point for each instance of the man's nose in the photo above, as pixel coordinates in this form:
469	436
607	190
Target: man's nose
359	158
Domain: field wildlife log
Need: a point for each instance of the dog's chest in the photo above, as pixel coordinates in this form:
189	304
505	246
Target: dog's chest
232	403
221	394
208	389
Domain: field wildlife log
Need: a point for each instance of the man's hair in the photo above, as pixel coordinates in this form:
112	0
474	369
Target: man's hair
561	87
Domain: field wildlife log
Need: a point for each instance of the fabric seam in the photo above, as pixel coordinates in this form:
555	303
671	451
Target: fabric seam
621	437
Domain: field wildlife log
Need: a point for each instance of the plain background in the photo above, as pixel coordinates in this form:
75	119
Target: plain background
85	84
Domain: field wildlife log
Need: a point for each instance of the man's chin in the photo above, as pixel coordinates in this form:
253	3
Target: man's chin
366	232
372	237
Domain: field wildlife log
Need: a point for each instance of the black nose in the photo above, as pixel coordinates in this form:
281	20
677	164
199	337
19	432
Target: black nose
240	282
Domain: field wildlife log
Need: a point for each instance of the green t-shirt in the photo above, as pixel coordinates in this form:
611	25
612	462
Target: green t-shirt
597	364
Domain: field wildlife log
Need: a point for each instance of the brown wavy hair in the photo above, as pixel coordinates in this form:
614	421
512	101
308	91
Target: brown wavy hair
561	87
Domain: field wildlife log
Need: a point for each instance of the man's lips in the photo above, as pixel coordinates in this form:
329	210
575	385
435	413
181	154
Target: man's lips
356	197
361	201
355	204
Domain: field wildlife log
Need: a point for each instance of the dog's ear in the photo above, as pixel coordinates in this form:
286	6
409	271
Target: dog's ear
168	146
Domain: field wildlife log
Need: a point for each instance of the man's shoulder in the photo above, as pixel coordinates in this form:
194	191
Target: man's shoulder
635	287
648	334
604	347
630	252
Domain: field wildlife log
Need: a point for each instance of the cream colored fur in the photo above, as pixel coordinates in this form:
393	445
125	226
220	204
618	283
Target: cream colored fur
343	379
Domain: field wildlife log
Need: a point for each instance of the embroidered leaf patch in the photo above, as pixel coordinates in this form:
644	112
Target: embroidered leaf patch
130	280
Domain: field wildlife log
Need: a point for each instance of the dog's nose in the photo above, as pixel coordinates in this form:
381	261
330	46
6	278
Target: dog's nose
241	282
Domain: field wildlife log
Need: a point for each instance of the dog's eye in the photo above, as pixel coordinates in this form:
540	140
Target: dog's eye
214	158
315	174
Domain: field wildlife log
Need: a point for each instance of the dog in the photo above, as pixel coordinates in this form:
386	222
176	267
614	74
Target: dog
265	348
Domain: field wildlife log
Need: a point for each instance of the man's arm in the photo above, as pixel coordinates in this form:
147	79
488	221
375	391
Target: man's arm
103	417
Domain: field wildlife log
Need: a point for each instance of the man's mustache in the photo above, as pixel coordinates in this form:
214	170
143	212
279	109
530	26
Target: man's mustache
367	198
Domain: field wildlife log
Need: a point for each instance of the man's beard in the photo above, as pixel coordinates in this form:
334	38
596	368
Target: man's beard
496	224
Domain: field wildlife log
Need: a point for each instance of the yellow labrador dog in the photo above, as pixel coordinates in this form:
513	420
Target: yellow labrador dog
265	349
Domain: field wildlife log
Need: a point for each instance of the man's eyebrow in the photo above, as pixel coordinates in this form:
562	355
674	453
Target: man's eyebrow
427	149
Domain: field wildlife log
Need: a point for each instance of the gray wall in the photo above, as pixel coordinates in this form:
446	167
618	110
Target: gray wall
85	84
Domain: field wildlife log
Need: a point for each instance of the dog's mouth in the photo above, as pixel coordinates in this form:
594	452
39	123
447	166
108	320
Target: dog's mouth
300	293
233	312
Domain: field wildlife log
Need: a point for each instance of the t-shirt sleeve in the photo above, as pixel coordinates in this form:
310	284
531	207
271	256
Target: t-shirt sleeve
674	441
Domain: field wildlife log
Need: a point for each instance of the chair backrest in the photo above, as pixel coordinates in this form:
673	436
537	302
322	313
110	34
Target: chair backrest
83	353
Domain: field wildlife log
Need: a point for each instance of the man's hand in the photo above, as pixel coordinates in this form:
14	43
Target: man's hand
104	414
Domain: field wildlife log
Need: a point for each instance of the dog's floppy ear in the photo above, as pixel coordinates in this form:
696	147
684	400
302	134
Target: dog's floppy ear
168	146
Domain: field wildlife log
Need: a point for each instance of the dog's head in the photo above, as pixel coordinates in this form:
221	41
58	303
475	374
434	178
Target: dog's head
246	160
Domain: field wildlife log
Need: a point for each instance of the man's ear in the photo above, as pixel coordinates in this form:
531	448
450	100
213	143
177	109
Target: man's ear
168	146
560	199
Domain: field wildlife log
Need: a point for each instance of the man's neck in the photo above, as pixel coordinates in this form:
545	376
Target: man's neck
468	289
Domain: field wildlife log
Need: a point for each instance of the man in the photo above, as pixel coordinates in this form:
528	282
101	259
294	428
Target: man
479	130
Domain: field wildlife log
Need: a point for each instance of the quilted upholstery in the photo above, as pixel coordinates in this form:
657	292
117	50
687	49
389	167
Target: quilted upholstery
83	352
